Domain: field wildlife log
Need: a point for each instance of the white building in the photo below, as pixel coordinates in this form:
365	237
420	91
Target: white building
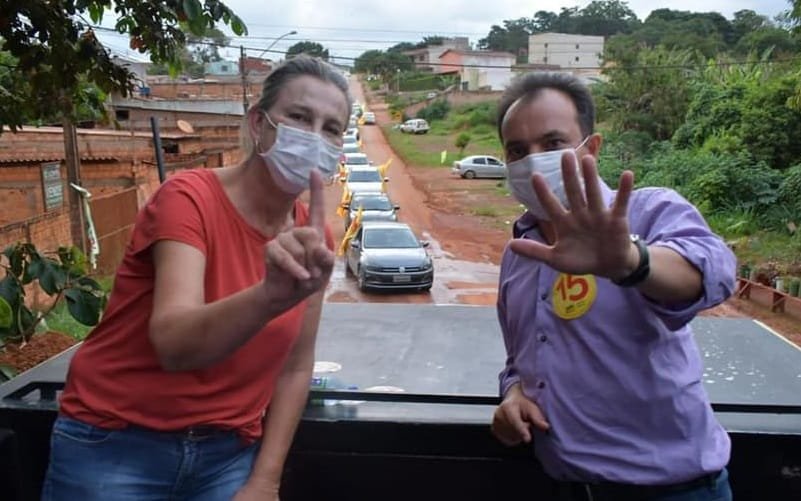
566	51
478	69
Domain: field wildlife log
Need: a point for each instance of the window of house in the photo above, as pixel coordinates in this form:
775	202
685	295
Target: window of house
577	46
577	58
121	115
545	59
224	67
546	45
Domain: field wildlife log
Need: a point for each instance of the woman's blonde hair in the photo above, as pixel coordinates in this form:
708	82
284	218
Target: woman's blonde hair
284	73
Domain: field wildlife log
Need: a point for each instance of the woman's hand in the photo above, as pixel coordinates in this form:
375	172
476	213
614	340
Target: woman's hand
298	261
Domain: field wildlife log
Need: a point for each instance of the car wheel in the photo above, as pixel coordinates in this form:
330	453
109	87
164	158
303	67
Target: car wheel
362	281
469	175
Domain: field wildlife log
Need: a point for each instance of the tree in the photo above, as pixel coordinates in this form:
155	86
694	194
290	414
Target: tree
606	18
54	50
309	48
511	37
386	64
462	140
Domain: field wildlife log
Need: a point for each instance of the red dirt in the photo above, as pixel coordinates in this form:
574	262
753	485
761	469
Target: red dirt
40	348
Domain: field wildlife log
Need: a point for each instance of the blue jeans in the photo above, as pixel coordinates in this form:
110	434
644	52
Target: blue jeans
88	463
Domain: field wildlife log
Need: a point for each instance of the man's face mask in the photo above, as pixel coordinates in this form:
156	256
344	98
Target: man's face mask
549	165
295	153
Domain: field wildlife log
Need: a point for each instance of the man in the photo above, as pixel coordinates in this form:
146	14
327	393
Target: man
596	293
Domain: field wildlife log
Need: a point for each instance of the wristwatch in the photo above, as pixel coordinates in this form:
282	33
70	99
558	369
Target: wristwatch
643	268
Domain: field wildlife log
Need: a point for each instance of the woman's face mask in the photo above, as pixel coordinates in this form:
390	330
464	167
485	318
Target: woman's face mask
549	165
295	153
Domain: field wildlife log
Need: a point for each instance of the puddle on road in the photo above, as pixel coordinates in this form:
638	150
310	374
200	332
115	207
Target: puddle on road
455	282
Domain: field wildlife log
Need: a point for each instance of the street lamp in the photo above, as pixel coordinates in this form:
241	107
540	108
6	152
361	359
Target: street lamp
245	104
293	32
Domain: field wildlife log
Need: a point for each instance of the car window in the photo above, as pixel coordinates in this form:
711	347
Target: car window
372	203
349	140
389	238
350	148
356	160
364	176
492	161
480	161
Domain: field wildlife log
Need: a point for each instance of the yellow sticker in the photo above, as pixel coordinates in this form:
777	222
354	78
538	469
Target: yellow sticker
573	295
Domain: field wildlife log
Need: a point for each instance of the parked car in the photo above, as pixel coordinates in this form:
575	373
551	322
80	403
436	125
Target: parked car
385	255
415	126
431	95
369	118
479	166
374	207
364	179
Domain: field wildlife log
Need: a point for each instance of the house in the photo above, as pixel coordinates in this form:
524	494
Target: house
256	65
581	54
425	56
221	68
478	69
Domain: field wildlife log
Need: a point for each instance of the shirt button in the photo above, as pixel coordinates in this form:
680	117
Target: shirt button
544	296
541	385
543	338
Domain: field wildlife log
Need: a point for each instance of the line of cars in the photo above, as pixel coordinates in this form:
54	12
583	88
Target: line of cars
381	252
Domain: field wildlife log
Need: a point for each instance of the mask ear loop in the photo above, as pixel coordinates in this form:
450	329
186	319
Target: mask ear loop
257	140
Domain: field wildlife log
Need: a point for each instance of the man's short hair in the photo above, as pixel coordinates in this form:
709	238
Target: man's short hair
530	85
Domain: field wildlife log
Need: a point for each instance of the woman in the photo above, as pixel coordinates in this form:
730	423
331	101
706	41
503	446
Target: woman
193	384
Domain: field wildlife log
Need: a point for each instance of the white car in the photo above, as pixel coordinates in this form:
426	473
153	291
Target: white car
479	166
364	179
415	126
355	160
369	118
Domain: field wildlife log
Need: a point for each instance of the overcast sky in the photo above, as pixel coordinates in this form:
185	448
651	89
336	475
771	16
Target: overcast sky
349	27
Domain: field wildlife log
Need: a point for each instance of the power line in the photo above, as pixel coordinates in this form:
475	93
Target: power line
375	30
490	66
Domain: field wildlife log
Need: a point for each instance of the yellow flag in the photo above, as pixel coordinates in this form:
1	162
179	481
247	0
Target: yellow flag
350	233
383	168
346	196
443	156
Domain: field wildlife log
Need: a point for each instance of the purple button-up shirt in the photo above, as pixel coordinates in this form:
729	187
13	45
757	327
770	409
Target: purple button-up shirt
620	385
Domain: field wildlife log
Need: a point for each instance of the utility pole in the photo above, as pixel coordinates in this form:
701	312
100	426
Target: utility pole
244	79
72	160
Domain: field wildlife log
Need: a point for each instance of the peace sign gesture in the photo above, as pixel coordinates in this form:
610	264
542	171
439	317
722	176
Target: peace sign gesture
590	238
298	260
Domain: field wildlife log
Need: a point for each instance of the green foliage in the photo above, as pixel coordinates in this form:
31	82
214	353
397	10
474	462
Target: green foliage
790	191
652	97
435	111
714	182
462	140
54	51
310	48
387	64
64	277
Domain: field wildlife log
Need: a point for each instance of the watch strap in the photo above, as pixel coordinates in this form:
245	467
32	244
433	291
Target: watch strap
643	267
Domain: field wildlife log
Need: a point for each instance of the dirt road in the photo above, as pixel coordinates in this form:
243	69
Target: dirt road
466	252
465	255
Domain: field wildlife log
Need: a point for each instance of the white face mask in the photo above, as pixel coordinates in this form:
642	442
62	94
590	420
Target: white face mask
547	164
295	153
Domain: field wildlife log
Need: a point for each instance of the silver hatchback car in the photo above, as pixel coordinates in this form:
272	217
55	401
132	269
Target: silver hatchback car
479	166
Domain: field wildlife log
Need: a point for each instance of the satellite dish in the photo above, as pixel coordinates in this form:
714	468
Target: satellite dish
185	126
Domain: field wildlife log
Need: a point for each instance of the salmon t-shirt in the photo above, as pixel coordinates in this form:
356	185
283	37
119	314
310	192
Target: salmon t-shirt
115	378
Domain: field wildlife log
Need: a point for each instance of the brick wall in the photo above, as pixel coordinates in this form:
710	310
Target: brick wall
223	90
